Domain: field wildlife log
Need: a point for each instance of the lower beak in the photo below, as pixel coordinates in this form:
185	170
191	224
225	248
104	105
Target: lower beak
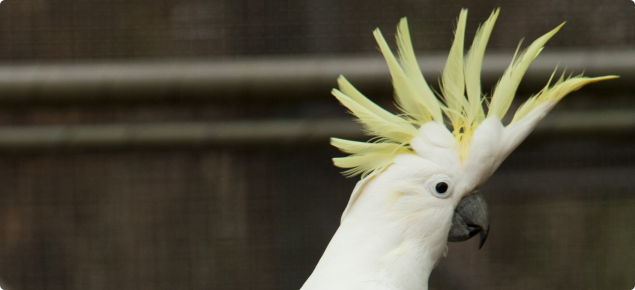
470	218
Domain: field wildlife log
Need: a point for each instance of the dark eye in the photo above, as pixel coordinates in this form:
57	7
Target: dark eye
441	187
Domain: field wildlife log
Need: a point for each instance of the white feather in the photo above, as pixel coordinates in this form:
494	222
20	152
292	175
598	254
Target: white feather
392	234
395	228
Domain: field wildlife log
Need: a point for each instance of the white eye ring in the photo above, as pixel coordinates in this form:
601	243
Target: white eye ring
440	185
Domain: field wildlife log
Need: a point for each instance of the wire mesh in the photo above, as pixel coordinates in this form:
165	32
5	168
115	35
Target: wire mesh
260	217
114	29
254	219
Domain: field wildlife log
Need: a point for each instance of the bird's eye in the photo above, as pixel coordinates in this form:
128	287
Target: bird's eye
440	185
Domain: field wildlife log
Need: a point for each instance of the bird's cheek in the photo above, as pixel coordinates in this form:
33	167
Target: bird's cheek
394	196
404	204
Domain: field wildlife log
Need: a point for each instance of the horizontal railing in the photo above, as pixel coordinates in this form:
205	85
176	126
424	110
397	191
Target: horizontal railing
280	79
255	133
271	79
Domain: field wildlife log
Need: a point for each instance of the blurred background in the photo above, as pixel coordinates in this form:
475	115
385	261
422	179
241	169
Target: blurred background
184	144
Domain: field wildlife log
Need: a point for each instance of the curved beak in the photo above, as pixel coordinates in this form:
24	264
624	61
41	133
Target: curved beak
470	218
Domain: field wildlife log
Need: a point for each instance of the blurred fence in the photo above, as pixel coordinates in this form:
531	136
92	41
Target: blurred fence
184	144
112	192
281	79
115	29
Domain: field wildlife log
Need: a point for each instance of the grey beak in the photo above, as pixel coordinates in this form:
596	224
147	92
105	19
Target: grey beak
470	218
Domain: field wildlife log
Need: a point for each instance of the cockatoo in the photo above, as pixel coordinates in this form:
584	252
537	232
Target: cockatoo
420	179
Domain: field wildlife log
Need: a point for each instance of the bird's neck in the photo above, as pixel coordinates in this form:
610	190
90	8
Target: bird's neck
370	251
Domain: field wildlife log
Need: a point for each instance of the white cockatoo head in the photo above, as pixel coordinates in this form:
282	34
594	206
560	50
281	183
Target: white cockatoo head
419	176
424	164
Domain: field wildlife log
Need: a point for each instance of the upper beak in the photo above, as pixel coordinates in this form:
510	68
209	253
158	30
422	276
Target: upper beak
470	217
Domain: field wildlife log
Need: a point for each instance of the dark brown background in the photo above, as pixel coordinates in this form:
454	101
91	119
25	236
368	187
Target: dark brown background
259	217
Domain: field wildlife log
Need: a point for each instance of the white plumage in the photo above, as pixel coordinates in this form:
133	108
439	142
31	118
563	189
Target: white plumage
416	170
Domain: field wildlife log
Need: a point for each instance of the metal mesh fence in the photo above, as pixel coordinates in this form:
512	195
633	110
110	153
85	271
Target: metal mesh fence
259	217
115	29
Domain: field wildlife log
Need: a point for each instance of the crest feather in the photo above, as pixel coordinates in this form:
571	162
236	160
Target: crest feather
356	147
365	164
411	68
377	125
349	90
406	94
506	88
392	133
452	78
473	65
557	92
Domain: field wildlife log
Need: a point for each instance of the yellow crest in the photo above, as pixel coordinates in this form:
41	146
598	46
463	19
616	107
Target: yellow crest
460	100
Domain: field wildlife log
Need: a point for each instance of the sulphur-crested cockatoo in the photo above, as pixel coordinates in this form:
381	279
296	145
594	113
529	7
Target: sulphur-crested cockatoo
420	178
